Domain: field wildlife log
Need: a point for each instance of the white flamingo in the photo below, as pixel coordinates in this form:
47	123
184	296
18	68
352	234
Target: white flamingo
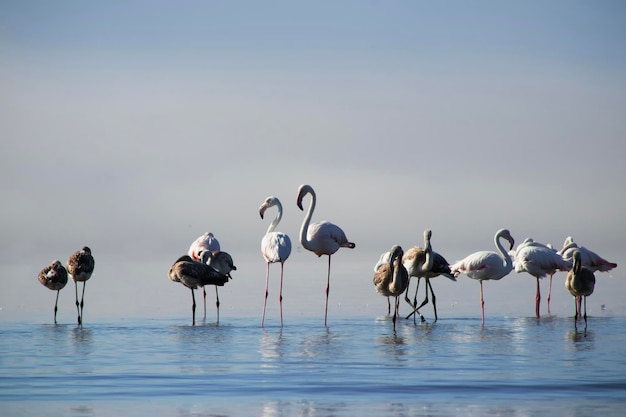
580	282
80	266
588	258
204	243
323	238
275	247
391	279
487	265
193	274
425	263
539	260
54	277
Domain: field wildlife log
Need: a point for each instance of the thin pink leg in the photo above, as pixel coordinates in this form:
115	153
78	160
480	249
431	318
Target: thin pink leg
267	277
549	294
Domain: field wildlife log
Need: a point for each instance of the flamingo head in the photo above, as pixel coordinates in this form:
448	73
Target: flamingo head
302	191
507	235
269	202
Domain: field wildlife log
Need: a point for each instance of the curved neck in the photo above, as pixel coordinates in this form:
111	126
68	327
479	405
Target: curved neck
577	265
307	219
507	259
276	220
428	262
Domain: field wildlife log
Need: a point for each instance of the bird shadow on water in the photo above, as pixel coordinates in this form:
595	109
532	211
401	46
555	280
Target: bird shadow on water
582	339
82	339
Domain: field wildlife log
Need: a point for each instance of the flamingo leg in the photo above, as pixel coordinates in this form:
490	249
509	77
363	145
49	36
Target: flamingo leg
82	303
406	295
388	306
267	277
432	293
395	313
217	304
482	302
204	297
425	299
549	293
193	308
585	310
327	292
537	299
77	303
415	297
55	307
414	304
280	296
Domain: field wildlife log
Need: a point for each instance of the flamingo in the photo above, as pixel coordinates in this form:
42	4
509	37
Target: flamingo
221	262
54	277
385	258
580	282
391	279
323	238
193	274
425	263
539	260
486	265
80	266
206	242
276	247
588	258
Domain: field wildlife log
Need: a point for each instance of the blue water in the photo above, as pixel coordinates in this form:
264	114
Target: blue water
358	366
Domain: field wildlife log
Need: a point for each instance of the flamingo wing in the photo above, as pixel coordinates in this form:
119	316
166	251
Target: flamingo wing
481	266
327	238
276	247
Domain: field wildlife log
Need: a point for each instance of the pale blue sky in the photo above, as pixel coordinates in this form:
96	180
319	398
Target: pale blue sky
135	126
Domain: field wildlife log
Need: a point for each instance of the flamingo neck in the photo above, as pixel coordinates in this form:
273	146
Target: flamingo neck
428	262
508	262
276	220
307	220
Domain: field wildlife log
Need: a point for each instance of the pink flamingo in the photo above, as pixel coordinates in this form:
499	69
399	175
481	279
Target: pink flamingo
54	277
80	266
539	260
323	238
588	258
276	247
205	243
486	265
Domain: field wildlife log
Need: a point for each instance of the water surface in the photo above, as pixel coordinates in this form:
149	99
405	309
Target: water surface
357	366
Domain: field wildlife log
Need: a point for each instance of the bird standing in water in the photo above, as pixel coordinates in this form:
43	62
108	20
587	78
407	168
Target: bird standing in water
54	277
80	266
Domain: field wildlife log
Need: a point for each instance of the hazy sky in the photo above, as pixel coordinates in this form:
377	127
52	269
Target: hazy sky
135	126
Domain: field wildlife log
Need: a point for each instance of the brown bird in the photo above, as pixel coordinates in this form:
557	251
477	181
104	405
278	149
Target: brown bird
424	263
222	262
391	279
80	266
193	274
54	277
580	282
